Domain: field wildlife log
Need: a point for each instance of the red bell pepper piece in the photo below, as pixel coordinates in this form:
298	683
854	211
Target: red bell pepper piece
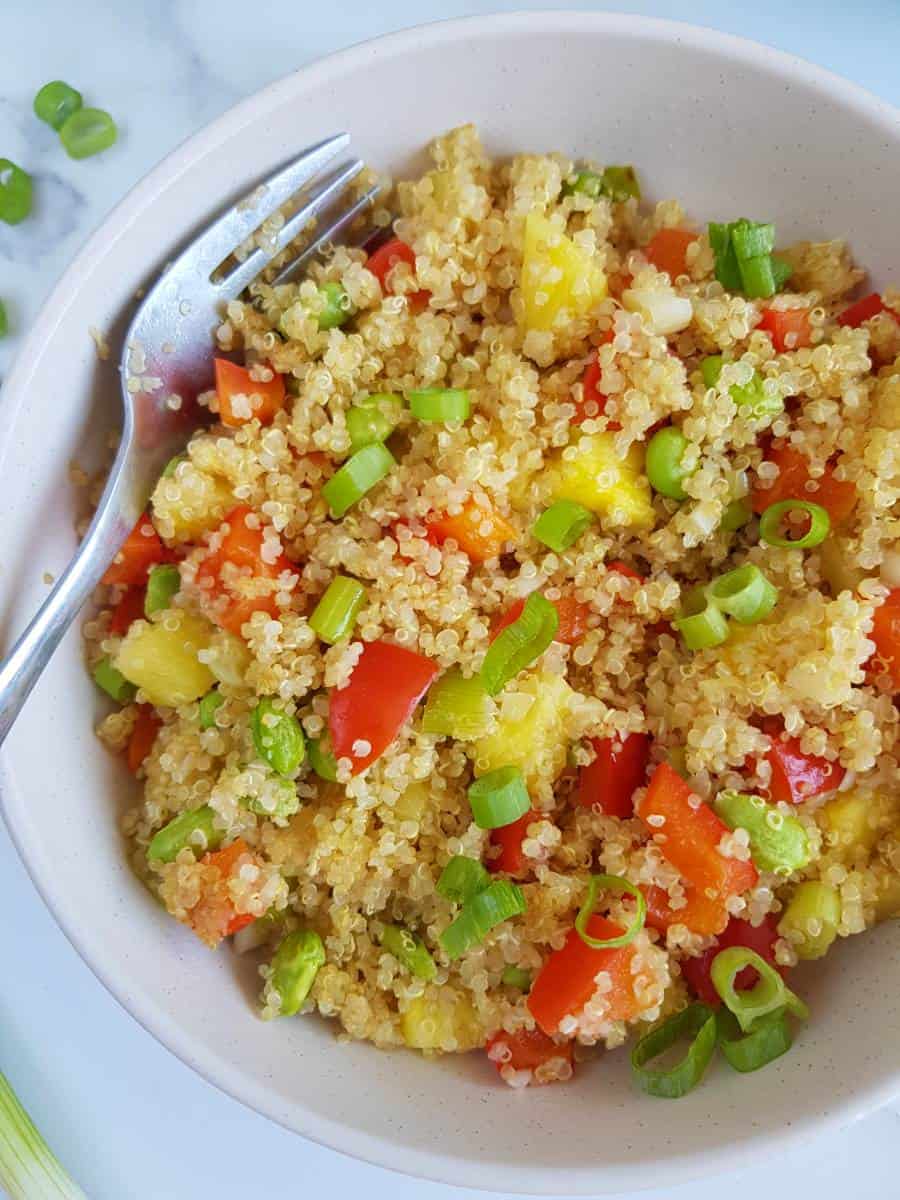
838	497
141	550
479	530
143	735
508	840
572	613
382	261
864	310
618	769
525	1050
386	685
241	546
796	775
214	916
566	981
699	915
130	608
689	837
593	402
621	568
789	328
759	938
886	636
667	250
265	399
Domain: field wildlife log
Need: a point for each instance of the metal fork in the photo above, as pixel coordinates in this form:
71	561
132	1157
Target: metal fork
166	362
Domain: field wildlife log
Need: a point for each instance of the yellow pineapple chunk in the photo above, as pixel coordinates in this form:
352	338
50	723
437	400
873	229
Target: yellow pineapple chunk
560	280
532	730
858	818
441	1020
610	484
839	573
161	658
190	502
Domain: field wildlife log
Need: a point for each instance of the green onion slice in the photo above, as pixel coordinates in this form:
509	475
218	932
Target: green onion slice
461	879
778	841
172	465
769	1038
499	798
519	644
209	706
586	183
781	271
711	369
485	910
736	515
4	320
768	993
700	624
113	682
744	594
458	707
751	239
15	192
440	404
610	883
770	524
516	977
726	263
321	758
409	950
620	183
696	1022
28	1167
367	424
358	475
55	103
87	131
335	615
163	582
562	524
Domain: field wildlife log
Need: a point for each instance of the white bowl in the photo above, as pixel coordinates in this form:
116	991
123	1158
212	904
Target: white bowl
728	127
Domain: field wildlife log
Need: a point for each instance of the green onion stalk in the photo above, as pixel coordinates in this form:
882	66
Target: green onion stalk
28	1168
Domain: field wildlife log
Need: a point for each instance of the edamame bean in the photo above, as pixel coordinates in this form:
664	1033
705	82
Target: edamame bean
295	966
277	737
168	842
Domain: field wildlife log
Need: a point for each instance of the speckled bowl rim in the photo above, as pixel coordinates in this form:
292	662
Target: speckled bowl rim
144	1007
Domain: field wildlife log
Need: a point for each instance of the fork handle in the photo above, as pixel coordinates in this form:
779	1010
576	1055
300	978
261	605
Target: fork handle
31	653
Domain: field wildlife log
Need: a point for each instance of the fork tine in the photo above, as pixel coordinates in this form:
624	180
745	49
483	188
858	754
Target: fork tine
344	220
235	282
243	218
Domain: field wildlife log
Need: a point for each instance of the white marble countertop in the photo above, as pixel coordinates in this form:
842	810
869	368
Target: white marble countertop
130	1121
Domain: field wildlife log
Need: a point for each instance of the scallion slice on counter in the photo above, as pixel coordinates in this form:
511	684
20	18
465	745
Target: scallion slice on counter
771	519
485	910
768	994
519	644
697	1023
499	798
55	103
461	879
15	192
88	131
358	475
562	524
610	883
28	1168
440	404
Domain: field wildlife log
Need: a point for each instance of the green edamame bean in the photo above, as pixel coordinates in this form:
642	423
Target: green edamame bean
410	951
778	841
295	966
277	737
168	842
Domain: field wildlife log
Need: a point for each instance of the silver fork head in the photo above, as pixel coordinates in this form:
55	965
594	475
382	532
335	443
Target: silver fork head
167	357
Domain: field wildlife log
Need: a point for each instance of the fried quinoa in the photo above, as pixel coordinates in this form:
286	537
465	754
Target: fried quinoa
562	406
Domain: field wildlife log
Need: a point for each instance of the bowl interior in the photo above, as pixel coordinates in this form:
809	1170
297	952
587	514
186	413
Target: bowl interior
729	129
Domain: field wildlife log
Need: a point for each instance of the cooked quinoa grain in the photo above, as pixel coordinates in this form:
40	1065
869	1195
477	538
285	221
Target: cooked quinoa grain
650	680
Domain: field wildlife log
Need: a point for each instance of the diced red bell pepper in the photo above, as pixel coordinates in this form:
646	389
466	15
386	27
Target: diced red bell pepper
130	608
508	840
593	402
864	310
214	916
525	1050
796	775
566	981
667	250
621	568
573	616
143	735
689	836
761	939
789	328
384	688
239	921
265	400
382	261
241	546
479	530
886	636
838	497
141	550
618	769
699	915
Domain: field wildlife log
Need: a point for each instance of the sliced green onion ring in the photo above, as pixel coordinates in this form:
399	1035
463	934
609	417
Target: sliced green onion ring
15	192
769	1038
519	644
87	131
367	424
499	798
562	524
610	883
485	910
358	475
770	524
409	950
461	879
440	404
335	615
458	707
769	993
736	515
55	103
113	682
700	624
163	583
744	594
697	1022
516	977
